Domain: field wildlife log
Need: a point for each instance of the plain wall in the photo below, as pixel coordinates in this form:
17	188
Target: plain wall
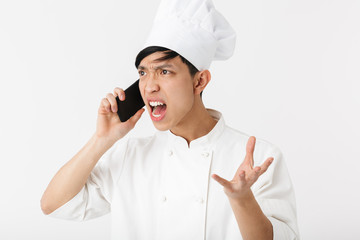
293	80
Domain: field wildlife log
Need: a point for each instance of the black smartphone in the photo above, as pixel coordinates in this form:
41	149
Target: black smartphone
133	102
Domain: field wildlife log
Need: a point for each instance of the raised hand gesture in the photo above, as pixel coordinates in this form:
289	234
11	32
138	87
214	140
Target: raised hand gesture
246	175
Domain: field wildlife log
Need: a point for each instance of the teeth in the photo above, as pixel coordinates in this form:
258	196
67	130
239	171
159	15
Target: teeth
154	104
156	115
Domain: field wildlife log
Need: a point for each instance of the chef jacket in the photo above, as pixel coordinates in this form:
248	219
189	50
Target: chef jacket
160	187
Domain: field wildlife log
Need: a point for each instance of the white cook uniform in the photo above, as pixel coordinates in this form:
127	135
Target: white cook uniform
160	188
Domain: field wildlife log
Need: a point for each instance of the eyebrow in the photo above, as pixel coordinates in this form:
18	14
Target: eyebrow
157	67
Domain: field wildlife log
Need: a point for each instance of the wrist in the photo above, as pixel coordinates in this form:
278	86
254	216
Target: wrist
101	143
245	201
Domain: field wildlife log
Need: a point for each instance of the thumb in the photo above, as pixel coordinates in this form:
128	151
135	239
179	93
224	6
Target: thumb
133	120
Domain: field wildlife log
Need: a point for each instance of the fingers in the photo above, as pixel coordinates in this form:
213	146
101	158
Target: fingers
259	170
264	167
136	116
249	177
252	175
242	176
113	104
109	103
225	183
105	105
119	92
250	146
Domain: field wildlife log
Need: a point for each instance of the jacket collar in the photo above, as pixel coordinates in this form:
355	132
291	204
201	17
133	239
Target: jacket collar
205	141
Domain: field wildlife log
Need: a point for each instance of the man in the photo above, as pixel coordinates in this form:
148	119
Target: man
166	186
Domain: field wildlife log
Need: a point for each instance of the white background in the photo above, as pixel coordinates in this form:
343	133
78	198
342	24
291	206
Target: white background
293	80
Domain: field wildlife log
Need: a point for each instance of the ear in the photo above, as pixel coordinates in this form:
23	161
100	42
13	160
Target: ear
202	79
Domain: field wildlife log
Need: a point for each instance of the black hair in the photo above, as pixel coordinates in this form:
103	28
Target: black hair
169	54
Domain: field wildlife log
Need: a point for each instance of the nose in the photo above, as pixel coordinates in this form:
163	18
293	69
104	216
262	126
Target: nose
152	84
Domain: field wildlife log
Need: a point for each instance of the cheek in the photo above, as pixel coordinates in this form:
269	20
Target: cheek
182	97
141	88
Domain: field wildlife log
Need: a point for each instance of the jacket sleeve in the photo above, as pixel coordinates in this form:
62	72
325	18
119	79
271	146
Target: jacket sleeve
275	195
94	199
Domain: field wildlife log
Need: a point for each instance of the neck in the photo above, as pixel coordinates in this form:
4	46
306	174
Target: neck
195	124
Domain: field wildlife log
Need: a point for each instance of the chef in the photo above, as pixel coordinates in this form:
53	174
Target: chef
195	178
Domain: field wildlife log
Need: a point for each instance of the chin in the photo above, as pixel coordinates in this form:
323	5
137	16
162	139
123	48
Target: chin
161	127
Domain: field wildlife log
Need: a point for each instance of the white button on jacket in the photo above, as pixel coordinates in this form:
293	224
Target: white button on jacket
153	192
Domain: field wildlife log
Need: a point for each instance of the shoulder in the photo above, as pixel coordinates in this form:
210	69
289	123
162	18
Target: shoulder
128	147
239	136
235	138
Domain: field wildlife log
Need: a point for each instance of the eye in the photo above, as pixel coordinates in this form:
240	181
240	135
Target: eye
142	73
165	71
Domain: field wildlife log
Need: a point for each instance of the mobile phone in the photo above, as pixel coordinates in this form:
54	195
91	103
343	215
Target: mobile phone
133	102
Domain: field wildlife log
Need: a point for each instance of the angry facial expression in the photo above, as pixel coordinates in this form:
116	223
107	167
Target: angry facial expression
167	89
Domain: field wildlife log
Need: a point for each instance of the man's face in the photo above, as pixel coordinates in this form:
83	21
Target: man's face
167	90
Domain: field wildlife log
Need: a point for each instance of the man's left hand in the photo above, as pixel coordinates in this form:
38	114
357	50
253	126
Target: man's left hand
246	175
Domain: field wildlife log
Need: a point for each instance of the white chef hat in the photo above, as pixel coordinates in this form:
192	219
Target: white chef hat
194	29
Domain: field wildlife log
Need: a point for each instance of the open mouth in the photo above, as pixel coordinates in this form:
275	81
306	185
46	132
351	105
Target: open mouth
158	109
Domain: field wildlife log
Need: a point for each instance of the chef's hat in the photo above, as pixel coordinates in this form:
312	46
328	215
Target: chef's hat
194	29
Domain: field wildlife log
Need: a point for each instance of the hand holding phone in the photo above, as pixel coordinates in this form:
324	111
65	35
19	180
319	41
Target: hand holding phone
132	103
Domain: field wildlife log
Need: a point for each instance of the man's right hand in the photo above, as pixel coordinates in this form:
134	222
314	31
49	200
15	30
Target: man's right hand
108	124
72	177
